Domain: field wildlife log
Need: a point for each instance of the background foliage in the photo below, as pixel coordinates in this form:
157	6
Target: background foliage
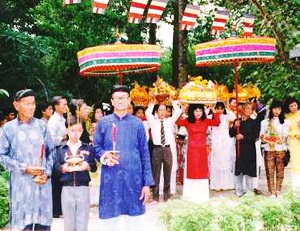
40	40
247	213
4	204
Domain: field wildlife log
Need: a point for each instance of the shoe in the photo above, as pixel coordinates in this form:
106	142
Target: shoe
154	202
257	192
273	196
240	194
278	194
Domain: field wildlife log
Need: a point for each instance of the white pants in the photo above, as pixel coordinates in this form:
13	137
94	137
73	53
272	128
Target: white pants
295	181
94	194
243	184
196	190
259	161
75	203
125	223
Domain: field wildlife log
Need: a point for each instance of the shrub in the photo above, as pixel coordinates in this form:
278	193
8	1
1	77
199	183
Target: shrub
4	200
224	214
188	218
294	204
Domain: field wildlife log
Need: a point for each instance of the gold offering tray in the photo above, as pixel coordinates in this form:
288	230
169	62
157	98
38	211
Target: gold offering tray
160	98
198	102
38	168
74	160
37	179
114	151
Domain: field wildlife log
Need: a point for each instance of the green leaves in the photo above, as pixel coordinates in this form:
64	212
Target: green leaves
4	92
40	40
4	200
247	213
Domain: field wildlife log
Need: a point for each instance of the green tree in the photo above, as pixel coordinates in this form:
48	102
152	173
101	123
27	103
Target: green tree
278	19
40	40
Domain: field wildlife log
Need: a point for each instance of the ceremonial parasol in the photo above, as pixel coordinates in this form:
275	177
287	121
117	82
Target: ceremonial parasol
236	51
118	58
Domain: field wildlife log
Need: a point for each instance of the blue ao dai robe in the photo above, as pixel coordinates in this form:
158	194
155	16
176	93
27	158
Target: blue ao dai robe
121	185
20	146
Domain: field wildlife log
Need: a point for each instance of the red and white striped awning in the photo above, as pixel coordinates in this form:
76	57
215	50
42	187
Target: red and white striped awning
248	22
219	22
155	10
99	6
136	11
189	17
68	2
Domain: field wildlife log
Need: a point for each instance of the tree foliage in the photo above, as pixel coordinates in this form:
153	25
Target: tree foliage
40	40
279	19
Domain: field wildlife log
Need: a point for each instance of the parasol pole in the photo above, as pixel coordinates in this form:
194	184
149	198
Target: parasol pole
121	79
236	86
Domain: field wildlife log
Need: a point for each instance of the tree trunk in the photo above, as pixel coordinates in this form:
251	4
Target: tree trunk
179	53
152	33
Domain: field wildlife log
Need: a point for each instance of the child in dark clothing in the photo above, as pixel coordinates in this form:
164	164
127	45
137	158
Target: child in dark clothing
74	160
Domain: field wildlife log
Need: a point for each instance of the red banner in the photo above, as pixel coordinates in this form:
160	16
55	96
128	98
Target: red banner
219	22
189	17
68	2
155	10
136	11
248	22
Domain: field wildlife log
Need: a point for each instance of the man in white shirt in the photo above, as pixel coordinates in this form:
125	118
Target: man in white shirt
56	123
57	130
162	152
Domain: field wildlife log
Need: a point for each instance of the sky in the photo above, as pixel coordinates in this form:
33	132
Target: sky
165	33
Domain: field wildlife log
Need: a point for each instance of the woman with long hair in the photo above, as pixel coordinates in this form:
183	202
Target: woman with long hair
274	132
221	156
196	185
80	108
291	106
97	114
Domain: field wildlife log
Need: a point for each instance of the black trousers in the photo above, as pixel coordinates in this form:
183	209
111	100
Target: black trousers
56	195
36	227
161	156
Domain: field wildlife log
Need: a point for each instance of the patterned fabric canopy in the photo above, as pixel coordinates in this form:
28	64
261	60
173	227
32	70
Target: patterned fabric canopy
109	60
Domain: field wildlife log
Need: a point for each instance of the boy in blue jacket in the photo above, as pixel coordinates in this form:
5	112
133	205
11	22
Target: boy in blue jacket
74	160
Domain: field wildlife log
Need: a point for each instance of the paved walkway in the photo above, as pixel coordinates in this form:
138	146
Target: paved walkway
152	222
153	210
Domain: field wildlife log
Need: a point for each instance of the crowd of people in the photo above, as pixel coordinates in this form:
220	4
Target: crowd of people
69	156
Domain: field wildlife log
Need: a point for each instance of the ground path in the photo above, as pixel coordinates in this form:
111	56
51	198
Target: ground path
153	210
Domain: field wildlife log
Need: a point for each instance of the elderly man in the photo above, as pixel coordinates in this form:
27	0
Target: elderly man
26	151
126	174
